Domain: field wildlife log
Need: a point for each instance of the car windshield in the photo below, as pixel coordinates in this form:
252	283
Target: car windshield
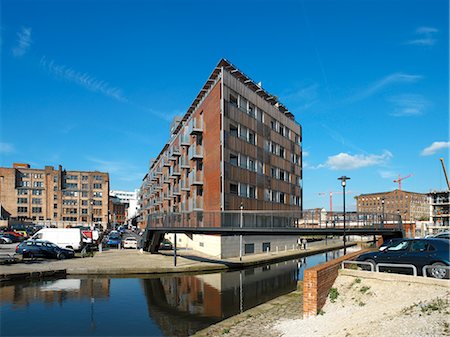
399	246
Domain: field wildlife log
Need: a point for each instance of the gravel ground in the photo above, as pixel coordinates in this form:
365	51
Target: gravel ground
371	307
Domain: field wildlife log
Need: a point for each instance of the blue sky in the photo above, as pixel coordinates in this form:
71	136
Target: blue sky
93	85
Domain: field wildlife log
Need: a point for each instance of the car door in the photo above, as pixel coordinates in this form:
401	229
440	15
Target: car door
418	255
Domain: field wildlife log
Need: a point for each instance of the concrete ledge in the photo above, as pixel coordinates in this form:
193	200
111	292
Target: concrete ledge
394	277
31	274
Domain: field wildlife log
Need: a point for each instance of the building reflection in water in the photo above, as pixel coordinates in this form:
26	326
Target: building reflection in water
182	305
51	292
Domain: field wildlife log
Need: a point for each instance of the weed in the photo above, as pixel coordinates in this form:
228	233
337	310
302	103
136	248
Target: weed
334	294
361	303
364	289
356	281
226	330
437	304
320	312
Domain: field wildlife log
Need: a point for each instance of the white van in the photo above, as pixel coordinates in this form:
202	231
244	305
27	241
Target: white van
63	237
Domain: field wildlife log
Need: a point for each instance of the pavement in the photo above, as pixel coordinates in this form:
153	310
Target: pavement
131	262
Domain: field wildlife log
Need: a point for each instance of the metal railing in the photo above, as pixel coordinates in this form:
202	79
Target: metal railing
361	263
273	219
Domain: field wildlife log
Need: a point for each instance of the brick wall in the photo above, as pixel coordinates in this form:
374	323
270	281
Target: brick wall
318	280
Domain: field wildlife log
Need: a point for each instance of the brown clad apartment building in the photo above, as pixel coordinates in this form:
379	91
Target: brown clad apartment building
54	197
236	144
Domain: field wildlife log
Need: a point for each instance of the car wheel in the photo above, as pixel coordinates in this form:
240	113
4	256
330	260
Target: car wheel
61	256
437	271
372	262
30	255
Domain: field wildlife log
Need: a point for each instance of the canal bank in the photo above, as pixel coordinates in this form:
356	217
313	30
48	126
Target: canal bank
133	262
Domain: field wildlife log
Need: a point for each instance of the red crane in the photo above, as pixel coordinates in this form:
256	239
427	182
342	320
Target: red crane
399	180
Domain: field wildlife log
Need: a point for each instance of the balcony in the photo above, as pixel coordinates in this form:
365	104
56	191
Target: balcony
195	126
167	196
174	152
185	185
185	140
158	171
165	161
196	204
184	163
174	172
176	191
196	177
195	152
166	179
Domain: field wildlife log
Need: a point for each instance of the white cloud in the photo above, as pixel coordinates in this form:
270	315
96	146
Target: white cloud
345	161
387	174
379	85
6	148
425	37
84	80
408	105
433	148
305	153
23	42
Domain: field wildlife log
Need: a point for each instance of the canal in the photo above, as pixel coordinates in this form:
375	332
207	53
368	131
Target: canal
173	305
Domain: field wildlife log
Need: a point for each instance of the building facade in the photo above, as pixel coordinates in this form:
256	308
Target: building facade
236	145
54	196
128	198
410	205
439	208
117	211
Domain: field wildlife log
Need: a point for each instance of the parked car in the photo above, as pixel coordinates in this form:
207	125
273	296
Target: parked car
12	237
5	239
113	240
418	252
441	235
130	242
43	248
166	245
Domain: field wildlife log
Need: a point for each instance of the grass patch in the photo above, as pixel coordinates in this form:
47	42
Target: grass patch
333	294
356	281
225	331
364	289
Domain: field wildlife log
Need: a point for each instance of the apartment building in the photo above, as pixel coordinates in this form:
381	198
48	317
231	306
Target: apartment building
411	206
130	199
439	208
236	145
53	196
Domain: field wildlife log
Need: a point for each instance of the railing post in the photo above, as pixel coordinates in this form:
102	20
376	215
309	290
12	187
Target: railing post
240	236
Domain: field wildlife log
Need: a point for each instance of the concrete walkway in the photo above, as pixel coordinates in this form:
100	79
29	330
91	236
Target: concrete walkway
132	262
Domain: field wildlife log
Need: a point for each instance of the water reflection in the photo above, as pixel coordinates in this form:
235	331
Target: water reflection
176	305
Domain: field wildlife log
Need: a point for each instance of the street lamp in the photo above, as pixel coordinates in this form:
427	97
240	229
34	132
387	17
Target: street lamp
343	180
241	220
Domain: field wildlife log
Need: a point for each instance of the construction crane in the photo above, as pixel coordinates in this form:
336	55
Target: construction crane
331	197
399	180
445	172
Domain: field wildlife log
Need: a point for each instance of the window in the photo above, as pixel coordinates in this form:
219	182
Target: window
233	99
55	206
84	194
25	175
71	177
55	179
22	209
243	190
22	200
38	184
36	201
251	137
233	159
37	176
251	109
233	188
252	192
259	115
97	202
84	202
273	172
266	246
97	194
70	202
71	185
233	130
243	161
22	192
282	152
25	183
84	178
249	248
37	192
84	186
99	178
251	164
242	103
282	175
243	132
84	211
70	193
36	209
97	185
282	197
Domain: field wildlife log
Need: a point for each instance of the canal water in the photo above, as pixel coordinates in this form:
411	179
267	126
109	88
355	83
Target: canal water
175	305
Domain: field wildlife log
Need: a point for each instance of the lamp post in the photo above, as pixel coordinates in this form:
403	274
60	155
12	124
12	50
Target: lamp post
241	220
343	180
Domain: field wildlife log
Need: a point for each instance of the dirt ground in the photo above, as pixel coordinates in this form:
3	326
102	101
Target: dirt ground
372	307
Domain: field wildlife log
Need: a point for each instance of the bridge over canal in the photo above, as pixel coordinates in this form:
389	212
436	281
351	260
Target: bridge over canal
295	223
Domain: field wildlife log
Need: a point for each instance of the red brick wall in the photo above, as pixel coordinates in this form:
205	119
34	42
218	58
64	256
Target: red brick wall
409	229
318	280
